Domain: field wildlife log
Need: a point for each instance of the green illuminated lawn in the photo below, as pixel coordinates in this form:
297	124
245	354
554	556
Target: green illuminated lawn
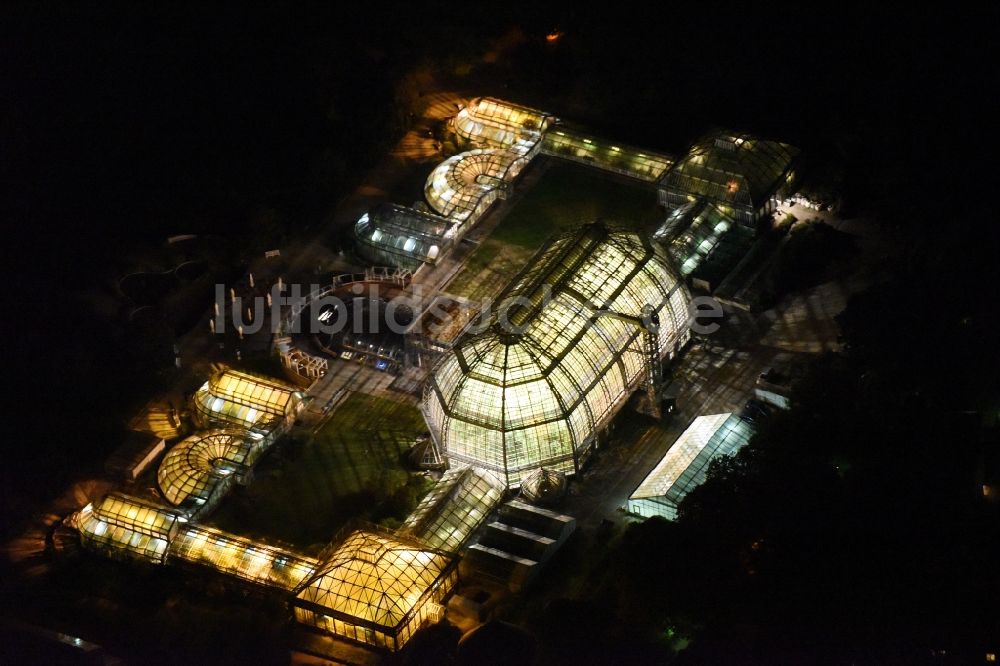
566	196
351	468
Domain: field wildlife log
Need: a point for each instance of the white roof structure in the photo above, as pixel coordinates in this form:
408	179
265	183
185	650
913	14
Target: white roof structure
684	466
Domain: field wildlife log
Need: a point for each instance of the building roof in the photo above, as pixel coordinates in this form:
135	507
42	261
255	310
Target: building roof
614	156
500	124
191	470
231	397
457	504
464	184
543	486
374	578
402	236
692	232
732	168
240	557
125	523
684	466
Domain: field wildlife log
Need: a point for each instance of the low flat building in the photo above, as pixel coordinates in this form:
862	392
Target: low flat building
394	235
135	455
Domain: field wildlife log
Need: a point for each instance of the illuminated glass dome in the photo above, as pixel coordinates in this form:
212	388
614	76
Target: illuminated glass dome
515	400
202	466
466	184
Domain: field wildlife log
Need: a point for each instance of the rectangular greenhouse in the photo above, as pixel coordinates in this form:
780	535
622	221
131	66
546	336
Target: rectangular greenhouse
457	504
605	155
692	232
125	527
494	123
684	466
264	406
242	558
394	235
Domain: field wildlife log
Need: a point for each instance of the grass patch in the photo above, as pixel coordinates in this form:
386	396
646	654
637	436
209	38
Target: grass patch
566	196
307	491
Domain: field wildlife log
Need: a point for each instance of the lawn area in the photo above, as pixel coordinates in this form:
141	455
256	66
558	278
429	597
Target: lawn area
307	491
566	195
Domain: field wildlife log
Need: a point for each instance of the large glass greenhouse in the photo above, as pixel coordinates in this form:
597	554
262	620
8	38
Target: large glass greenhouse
684	466
457	504
545	378
393	235
377	589
265	407
196	473
125	527
744	175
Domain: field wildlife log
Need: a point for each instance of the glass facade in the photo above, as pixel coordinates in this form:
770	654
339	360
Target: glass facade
740	173
198	471
457	504
684	466
692	232
232	398
124	527
495	123
463	186
376	589
247	560
392	235
606	155
550	371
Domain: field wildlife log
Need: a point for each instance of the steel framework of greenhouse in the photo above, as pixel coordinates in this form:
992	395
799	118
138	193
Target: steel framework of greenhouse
511	401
